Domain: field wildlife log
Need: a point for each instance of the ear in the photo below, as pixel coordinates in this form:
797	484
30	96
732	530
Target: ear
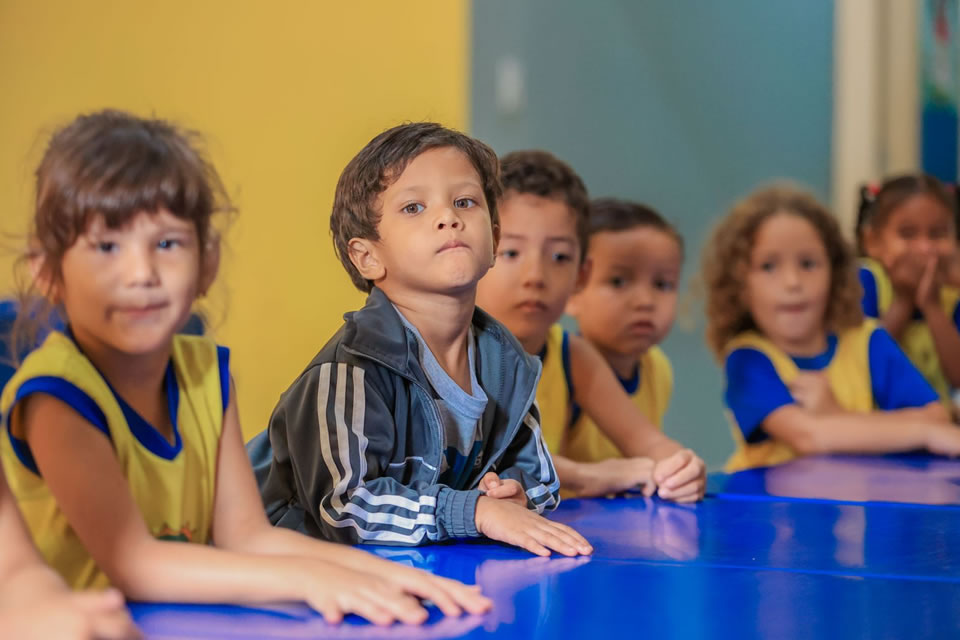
496	243
209	265
364	256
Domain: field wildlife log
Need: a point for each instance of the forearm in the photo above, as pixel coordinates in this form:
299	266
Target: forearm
897	317
160	571
278	541
875	432
946	340
574	476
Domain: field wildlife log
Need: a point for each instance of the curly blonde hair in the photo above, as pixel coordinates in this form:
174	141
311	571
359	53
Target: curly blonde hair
726	261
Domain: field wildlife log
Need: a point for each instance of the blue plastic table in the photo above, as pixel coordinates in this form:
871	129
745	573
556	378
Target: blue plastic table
865	548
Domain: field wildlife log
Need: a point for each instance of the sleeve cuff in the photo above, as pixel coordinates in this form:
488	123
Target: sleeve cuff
457	511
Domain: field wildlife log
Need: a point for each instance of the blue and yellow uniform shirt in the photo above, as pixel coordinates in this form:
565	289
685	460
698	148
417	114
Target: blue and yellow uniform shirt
650	388
916	341
172	483
866	369
555	389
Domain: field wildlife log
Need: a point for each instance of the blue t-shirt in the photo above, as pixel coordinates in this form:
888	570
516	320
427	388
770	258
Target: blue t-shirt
755	390
460	412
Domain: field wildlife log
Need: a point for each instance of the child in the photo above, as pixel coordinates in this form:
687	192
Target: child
908	237
805	373
123	441
34	601
416	422
544	216
626	307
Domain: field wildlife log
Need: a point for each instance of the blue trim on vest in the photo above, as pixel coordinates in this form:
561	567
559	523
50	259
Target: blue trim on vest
22	450
223	364
631	384
819	361
146	433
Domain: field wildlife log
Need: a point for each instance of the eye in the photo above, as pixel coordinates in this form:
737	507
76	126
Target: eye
663	284
907	233
562	257
106	246
169	243
617	282
768	266
464	203
808	264
509	254
938	233
413	208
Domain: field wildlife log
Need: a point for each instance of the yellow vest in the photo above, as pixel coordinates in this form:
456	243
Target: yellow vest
916	339
553	396
176	497
588	444
849	376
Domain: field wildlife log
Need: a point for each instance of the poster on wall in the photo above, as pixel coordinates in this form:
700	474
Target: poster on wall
940	63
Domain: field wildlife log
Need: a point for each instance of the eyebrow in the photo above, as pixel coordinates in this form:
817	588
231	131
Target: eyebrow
418	188
517	236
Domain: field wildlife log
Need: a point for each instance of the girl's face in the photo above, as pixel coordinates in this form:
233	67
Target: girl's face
788	284
921	226
129	290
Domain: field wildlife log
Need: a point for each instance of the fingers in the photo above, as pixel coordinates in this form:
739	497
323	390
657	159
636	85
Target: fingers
507	489
107	614
489	481
466	596
669	466
694	470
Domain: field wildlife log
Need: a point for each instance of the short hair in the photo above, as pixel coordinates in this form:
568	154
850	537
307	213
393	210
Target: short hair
613	214
355	213
726	262
876	204
543	174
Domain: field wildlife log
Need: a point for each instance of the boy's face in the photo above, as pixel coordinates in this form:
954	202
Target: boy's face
629	301
435	230
538	262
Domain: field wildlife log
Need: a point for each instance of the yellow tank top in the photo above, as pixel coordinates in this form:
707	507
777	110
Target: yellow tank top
849	376
916	340
652	396
553	392
175	496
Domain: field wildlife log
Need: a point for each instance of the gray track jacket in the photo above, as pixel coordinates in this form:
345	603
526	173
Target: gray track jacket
354	447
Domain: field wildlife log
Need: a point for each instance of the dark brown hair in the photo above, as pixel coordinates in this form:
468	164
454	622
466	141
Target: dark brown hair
726	262
355	213
543	174
613	214
116	165
876	207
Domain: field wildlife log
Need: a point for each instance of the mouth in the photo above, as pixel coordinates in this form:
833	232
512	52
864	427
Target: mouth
532	306
641	327
141	310
797	307
452	245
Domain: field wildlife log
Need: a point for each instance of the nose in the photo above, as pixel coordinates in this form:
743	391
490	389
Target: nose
141	267
791	277
449	219
533	272
642	297
924	245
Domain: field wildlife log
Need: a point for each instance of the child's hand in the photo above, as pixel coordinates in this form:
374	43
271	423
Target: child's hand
334	591
450	596
943	439
617	475
81	616
928	288
682	477
905	273
950	268
812	391
492	486
508	522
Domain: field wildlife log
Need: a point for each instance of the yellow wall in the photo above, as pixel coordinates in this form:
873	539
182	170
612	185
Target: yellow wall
286	92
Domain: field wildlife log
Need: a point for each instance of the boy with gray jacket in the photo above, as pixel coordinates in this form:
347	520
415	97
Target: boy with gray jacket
416	422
